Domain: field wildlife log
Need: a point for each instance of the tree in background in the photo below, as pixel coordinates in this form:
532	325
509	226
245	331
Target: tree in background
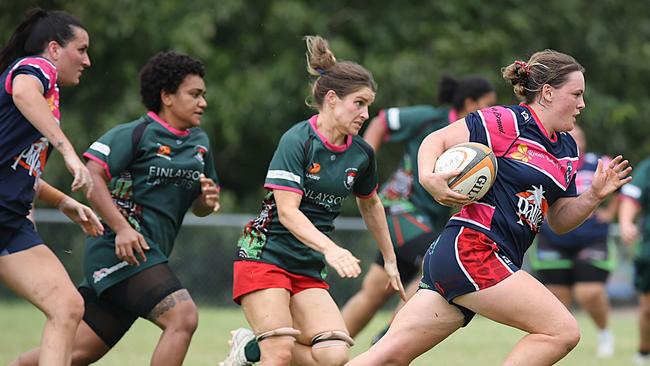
406	45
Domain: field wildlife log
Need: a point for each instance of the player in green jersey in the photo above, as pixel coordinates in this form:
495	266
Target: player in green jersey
414	217
636	201
147	174
281	263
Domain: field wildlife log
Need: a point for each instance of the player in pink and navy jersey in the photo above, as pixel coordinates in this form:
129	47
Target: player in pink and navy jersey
48	49
474	266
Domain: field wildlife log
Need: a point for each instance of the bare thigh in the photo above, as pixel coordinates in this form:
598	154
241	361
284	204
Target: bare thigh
425	320
522	302
37	275
268	309
314	312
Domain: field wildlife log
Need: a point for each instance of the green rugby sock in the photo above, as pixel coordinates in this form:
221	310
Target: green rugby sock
252	351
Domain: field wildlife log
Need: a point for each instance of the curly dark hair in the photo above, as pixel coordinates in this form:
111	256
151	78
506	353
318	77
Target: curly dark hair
165	71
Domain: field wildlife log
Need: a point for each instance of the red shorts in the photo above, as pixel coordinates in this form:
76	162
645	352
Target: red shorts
251	276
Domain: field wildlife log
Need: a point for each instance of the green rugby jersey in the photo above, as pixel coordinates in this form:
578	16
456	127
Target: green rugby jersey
639	190
325	175
402	192
154	174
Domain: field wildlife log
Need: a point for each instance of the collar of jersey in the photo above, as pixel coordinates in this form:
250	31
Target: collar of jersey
171	129
329	145
539	123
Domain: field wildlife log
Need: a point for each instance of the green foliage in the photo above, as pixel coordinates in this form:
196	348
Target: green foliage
254	55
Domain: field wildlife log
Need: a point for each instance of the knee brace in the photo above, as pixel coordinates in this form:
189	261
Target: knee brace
332	338
279	332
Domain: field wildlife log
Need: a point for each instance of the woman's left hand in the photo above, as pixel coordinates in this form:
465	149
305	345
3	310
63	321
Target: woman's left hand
209	193
395	282
610	178
82	215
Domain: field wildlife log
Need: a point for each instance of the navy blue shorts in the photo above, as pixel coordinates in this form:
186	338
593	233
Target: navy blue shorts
409	256
18	237
461	261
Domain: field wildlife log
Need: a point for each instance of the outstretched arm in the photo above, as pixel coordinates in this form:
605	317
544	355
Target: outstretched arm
77	212
569	212
374	216
628	209
288	204
127	240
27	94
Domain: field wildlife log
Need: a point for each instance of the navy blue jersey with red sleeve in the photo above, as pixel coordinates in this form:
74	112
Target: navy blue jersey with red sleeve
535	170
592	229
23	150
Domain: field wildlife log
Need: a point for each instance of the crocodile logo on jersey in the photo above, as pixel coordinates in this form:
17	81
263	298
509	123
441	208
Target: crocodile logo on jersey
531	208
350	176
164	151
521	154
200	153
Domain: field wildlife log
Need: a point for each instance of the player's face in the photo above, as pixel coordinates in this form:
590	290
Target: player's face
185	107
567	101
351	111
72	59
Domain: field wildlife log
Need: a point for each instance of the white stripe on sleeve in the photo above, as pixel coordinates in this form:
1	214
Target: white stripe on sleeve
283	174
102	148
393	119
631	191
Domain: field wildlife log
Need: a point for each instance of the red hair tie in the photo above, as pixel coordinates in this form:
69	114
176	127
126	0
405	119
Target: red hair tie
524	66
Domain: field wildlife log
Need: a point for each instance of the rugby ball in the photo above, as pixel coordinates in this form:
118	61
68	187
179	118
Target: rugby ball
477	165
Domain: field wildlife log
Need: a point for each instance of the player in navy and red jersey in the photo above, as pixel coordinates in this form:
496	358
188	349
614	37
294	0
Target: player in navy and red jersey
415	219
48	49
578	263
474	266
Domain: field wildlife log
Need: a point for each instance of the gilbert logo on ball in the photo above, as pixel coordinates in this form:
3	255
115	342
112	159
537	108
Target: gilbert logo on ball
477	165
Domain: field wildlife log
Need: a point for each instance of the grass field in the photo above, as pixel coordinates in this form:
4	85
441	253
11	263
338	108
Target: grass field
481	343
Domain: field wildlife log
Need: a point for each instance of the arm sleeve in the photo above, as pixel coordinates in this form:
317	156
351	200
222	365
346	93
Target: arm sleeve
402	124
365	185
35	66
496	127
113	151
286	170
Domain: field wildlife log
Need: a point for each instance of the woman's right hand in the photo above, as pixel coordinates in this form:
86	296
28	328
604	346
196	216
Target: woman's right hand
437	185
128	242
82	179
345	264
